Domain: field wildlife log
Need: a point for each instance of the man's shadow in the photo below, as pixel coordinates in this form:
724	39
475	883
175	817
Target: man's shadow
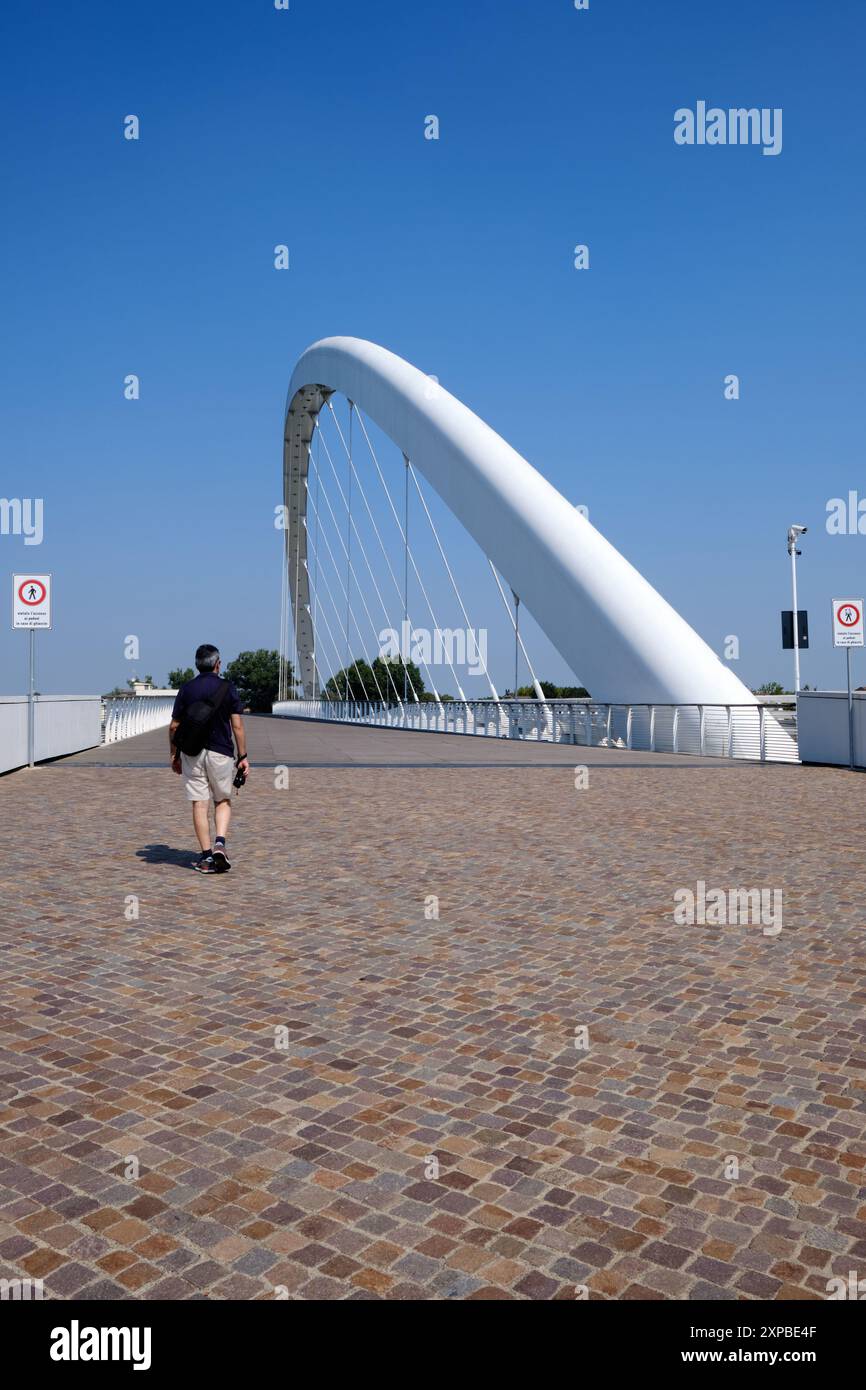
164	854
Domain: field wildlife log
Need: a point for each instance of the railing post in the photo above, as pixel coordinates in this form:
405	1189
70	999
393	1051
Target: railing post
676	721
762	733
628	728
652	728
730	731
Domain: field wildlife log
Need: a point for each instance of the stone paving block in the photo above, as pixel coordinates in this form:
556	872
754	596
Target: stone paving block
306	1166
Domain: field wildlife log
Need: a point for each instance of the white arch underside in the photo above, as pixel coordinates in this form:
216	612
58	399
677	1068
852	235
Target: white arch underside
610	625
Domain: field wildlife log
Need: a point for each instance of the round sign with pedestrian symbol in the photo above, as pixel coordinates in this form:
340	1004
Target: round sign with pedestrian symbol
847	622
32	592
849	615
31	601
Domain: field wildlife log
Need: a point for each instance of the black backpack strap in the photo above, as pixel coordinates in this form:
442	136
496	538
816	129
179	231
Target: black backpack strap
216	703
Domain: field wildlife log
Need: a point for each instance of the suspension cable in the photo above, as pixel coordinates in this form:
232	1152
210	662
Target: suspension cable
295	605
320	573
538	690
324	616
323	579
312	606
402	537
360	591
405	558
316	538
284	580
348	546
367	612
359	586
384	551
319	608
469	627
347	630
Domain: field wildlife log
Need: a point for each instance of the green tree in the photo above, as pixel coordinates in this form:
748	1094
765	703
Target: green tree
180	677
390	677
361	681
554	692
354	682
770	688
257	677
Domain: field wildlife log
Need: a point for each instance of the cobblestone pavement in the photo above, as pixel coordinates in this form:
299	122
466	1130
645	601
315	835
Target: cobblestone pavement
244	1086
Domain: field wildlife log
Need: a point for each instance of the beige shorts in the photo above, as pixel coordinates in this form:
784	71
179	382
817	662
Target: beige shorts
208	775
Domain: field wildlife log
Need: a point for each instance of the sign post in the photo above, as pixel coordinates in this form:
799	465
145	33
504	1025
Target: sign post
31	609
848	633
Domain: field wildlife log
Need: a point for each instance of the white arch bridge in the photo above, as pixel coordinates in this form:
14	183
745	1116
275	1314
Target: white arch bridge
349	557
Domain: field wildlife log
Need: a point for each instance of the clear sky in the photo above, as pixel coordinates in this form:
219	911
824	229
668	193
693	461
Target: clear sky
306	127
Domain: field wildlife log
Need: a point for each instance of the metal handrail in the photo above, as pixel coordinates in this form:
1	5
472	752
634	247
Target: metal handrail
757	732
139	714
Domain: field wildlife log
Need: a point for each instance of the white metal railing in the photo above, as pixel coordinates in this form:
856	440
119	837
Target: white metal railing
63	724
761	732
137	715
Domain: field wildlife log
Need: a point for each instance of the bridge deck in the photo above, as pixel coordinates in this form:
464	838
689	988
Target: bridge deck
308	1166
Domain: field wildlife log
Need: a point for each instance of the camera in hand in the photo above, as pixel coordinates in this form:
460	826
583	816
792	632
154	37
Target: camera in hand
240	775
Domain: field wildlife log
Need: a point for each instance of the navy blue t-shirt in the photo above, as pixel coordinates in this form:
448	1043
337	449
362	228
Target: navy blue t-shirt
204	687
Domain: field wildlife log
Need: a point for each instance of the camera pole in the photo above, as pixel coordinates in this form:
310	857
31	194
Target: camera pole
794	532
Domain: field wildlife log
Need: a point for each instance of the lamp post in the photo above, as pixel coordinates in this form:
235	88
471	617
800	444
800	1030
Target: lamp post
794	533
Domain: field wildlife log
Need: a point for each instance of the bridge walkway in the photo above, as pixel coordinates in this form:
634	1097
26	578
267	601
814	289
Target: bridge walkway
388	986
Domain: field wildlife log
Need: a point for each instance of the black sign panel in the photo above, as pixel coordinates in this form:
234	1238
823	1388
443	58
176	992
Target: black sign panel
788	629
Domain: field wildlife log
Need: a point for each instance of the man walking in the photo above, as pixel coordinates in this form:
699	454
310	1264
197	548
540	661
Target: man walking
207	712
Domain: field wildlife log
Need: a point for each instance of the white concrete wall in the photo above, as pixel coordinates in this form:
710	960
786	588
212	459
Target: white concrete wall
822	727
64	724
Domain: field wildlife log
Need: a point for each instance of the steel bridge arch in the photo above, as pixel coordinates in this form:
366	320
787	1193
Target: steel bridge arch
615	631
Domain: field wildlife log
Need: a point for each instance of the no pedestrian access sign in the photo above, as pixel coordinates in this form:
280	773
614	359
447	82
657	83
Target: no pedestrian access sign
847	622
31	601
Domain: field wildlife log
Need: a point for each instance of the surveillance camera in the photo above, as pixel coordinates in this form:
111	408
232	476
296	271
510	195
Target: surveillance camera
799	530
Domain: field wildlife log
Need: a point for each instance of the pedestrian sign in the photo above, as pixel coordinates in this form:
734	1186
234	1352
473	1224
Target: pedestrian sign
847	622
31	601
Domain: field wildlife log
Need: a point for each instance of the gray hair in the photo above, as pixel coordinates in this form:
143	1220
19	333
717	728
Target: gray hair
206	657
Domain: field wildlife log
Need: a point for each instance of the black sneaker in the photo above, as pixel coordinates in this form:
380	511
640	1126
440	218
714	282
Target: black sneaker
204	864
221	863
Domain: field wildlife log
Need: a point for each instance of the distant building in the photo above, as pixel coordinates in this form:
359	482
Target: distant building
139	688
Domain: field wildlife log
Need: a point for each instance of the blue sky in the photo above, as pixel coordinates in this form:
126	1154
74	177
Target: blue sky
306	127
